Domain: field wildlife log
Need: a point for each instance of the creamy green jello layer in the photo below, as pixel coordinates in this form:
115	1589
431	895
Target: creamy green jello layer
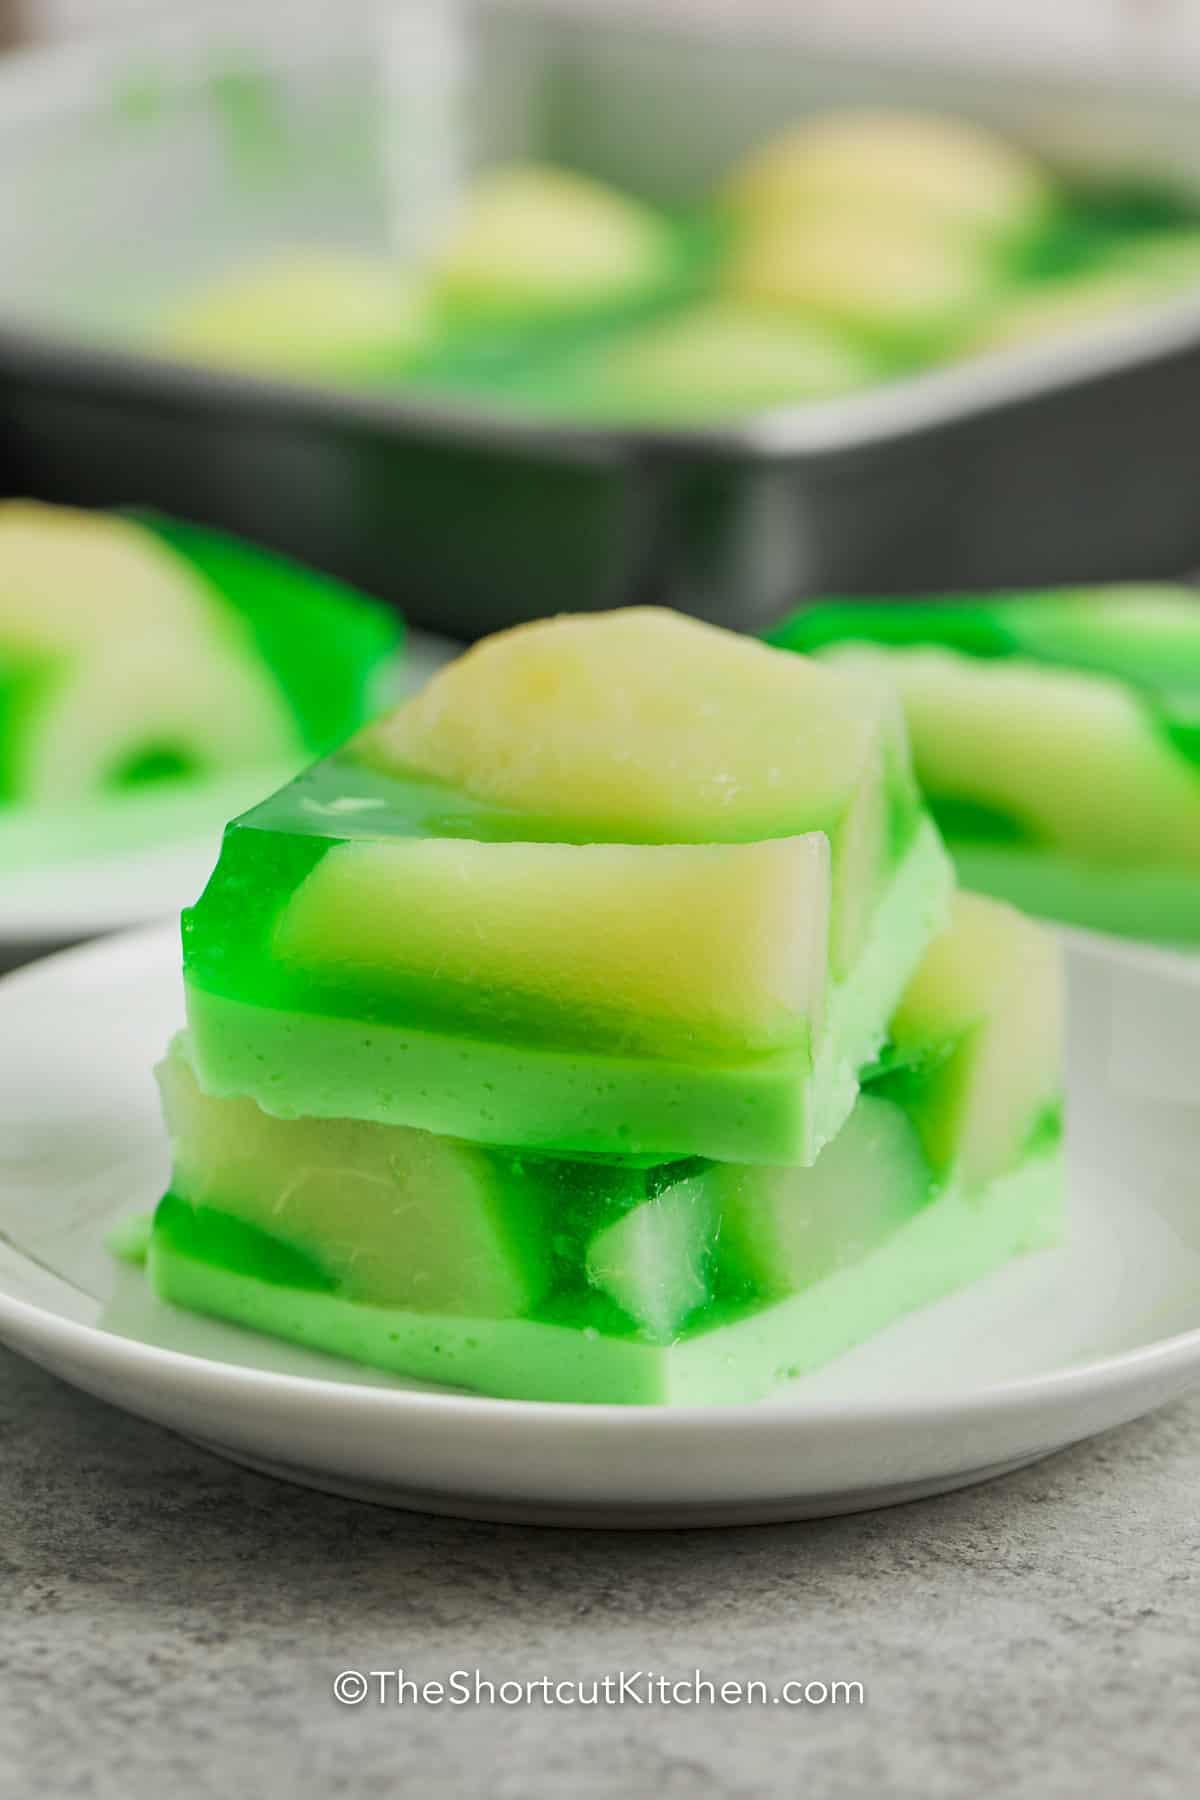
1056	736
956	1239
616	884
137	653
688	1279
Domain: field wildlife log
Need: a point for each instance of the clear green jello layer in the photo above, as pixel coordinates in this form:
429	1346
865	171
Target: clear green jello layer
301	1048
955	1239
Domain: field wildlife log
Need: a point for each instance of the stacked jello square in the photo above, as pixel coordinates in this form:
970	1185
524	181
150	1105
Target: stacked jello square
599	1026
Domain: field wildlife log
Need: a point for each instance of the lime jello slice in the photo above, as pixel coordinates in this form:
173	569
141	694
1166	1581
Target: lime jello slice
624	885
1056	736
692	1281
135	648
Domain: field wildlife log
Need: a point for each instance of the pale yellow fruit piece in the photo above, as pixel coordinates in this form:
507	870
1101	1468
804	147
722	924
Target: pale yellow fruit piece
917	166
862	269
302	312
735	356
792	1226
989	988
643	719
528	234
653	1261
74	581
397	1217
644	724
646	948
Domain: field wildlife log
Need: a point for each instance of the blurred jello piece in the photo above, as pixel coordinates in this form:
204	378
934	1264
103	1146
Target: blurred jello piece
530	239
896	278
691	1281
139	653
895	224
1116	288
897	168
312	313
719	360
1057	739
617	884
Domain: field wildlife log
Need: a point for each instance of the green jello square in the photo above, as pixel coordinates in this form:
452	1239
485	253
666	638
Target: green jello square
624	885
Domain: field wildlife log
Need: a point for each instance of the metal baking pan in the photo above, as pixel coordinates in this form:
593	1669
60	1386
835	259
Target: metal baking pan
131	169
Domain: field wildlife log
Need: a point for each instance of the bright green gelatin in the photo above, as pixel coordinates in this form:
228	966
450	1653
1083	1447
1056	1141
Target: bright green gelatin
611	885
550	1277
1056	736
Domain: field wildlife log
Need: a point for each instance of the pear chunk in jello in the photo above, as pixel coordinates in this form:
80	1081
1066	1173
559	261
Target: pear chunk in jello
623	884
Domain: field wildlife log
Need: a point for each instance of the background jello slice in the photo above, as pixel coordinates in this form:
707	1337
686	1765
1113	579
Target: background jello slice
559	1279
135	650
1057	737
625	883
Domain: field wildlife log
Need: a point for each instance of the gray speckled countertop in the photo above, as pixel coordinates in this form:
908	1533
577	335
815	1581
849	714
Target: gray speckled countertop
170	1627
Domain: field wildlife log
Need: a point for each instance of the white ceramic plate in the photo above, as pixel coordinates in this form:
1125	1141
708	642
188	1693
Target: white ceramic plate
43	907
1045	1352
